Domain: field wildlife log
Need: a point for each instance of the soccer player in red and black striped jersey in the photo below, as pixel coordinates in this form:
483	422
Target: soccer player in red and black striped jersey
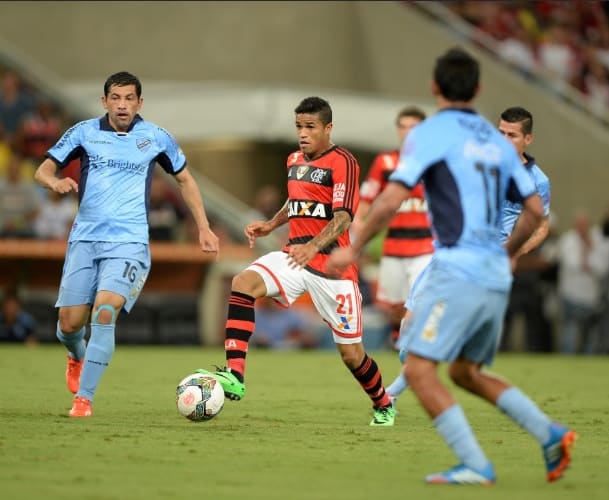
323	195
408	243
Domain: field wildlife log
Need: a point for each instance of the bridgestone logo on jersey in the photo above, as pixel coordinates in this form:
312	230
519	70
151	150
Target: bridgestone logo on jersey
307	209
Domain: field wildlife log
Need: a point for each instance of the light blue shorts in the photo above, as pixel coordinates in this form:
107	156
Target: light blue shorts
454	318
90	267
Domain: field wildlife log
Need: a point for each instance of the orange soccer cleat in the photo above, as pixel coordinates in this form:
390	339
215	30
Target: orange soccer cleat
73	369
81	407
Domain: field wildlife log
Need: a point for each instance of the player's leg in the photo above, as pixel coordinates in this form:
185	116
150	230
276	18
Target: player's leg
270	276
450	422
446	312
71	333
420	271
400	384
246	287
339	303
392	290
99	350
76	294
121	274
555	439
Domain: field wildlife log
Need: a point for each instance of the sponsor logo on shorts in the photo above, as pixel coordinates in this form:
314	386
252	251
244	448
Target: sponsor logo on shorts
430	330
345	323
138	288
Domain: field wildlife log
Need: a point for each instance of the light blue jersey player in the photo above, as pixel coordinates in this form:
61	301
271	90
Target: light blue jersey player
516	125
108	257
468	169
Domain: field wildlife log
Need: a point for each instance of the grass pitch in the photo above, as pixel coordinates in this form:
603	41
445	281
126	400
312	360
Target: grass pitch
301	432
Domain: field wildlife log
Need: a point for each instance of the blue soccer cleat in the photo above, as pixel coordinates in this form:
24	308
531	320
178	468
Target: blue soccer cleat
461	474
557	451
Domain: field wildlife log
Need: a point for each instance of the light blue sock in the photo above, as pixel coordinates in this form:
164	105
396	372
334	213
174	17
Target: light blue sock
75	343
454	428
398	386
99	352
525	413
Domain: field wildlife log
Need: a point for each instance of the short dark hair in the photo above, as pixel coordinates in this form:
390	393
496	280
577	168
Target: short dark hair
517	114
457	75
412	112
122	79
315	106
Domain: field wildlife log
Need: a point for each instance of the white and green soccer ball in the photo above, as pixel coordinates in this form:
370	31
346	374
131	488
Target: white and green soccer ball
199	397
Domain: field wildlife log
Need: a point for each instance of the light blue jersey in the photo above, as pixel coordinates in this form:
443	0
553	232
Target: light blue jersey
511	209
469	169
115	176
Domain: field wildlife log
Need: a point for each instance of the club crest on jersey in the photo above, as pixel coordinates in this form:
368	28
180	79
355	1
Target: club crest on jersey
307	209
143	144
301	171
318	175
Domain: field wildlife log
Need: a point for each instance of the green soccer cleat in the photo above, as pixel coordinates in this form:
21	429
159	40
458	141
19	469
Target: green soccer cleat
234	389
383	416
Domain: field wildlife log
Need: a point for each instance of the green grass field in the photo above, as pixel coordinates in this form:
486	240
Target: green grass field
300	433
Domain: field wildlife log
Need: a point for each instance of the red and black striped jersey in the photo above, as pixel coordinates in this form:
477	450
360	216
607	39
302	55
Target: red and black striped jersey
409	232
316	189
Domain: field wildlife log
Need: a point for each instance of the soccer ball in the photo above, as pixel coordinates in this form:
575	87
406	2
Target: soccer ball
199	397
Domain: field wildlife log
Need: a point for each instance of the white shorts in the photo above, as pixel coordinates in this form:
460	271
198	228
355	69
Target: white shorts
338	302
396	277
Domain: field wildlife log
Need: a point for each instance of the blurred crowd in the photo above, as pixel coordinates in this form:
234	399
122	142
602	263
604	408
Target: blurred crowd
569	41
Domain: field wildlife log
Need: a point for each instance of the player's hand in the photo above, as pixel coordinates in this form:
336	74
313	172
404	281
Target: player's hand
65	185
256	229
300	255
209	242
340	259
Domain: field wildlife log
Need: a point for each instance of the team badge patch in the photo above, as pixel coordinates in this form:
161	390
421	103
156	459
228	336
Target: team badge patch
143	144
301	171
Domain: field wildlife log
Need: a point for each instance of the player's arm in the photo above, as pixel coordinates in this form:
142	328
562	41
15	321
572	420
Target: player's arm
528	221
280	218
537	238
300	255
339	223
359	217
381	211
259	228
192	197
46	176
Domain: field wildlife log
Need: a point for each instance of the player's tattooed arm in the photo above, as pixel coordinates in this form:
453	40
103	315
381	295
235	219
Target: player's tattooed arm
337	226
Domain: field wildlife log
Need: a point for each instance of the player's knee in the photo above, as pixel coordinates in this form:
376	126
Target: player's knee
105	314
249	283
352	355
462	374
70	323
418	370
